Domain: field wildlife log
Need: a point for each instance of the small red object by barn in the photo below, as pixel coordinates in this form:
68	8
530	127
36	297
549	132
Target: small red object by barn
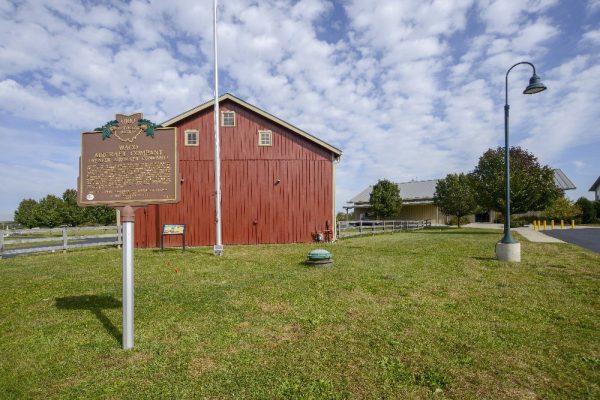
277	181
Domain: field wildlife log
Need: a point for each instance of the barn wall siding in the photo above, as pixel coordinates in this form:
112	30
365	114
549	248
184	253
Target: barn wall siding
276	194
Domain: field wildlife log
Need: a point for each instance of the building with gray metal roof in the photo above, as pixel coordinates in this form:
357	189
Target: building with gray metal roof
417	199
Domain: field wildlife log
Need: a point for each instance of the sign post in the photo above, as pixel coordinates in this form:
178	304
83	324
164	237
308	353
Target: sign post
128	218
128	163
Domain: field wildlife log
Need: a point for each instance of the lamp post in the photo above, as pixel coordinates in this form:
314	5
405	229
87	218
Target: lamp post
508	249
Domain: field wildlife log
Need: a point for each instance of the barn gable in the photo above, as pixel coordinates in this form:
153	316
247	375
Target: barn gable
228	102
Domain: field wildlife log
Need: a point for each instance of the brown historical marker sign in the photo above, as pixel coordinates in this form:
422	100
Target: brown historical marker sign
128	161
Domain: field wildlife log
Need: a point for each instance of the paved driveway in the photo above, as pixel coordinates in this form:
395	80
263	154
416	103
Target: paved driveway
588	238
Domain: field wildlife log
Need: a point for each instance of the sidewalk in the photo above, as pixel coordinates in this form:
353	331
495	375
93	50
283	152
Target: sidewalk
527	232
536	236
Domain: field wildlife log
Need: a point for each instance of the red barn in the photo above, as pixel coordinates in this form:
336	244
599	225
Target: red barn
277	181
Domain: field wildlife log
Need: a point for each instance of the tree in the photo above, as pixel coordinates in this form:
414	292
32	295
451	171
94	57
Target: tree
50	211
25	214
562	209
101	215
72	214
385	199
454	195
532	186
54	211
588	210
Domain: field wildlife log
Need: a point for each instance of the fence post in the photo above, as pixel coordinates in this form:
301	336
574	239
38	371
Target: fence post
360	226
65	236
1	244
119	235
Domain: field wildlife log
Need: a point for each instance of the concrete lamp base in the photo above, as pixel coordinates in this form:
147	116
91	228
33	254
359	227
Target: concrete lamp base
508	252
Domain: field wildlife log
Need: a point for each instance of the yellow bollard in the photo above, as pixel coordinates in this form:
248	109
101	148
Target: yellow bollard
572	224
552	223
562	224
544	224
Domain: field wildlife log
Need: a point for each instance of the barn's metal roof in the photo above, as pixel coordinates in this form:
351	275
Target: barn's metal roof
595	185
227	96
422	192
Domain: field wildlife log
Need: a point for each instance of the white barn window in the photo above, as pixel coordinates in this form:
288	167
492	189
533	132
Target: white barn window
191	137
228	118
265	138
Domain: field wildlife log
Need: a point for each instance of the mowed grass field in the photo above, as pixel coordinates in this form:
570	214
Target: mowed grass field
428	314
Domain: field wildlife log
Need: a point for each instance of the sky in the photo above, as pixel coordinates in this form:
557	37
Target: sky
408	89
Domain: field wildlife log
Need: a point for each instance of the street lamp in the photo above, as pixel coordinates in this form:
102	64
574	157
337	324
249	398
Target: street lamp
509	249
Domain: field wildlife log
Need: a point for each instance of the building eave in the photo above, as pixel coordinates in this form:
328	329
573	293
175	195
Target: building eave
595	185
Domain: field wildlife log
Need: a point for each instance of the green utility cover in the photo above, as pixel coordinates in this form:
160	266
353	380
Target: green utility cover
319	254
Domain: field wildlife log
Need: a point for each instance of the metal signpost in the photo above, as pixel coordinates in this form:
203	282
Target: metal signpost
128	219
128	163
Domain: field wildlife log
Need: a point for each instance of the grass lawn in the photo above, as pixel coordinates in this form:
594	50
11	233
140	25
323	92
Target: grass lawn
406	315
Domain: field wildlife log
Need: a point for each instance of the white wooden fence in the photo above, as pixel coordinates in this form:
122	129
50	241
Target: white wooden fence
56	239
370	227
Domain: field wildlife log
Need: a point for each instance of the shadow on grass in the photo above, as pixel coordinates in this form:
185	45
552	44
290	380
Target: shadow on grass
95	304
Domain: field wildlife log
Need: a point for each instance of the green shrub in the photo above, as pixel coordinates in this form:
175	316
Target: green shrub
562	209
588	210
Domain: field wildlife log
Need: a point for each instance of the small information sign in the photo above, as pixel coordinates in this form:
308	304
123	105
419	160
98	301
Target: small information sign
173	229
170	230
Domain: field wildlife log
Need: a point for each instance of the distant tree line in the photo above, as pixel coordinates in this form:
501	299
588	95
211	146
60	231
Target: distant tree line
52	211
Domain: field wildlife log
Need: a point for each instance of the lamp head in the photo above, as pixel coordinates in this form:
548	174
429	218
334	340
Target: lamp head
535	85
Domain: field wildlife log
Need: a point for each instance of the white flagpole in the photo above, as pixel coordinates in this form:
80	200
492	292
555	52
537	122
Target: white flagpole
218	247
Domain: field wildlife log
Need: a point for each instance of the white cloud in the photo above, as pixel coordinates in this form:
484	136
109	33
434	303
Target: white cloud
34	103
533	35
593	36
580	166
507	16
573	87
593	5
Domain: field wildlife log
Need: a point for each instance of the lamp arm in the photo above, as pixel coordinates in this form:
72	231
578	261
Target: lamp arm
506	81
